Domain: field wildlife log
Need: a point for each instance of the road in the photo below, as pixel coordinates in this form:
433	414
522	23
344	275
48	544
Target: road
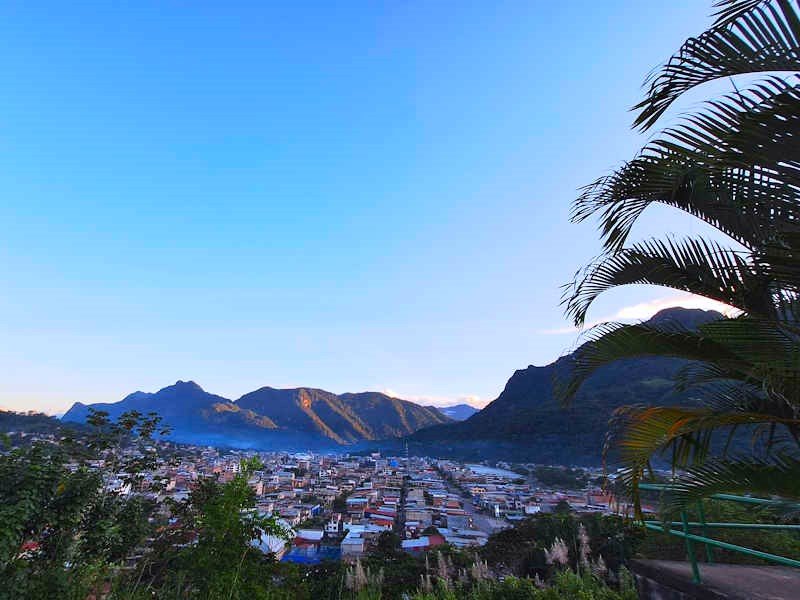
480	520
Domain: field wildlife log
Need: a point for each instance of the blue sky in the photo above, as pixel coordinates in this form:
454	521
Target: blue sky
361	196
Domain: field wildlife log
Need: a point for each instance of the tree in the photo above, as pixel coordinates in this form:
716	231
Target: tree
340	503
566	477
521	550
387	545
65	529
210	554
562	507
734	164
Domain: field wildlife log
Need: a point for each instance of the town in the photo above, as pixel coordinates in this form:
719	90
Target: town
335	506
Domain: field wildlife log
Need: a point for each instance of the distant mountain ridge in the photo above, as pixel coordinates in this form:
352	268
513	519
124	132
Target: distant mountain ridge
525	423
272	418
457	412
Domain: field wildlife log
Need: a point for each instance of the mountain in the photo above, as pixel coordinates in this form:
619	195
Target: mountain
28	422
457	412
272	418
526	424
179	400
345	418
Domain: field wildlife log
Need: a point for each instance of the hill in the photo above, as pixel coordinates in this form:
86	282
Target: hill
28	422
270	418
457	412
525	423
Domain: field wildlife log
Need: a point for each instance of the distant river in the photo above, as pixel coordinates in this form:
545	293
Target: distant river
481	470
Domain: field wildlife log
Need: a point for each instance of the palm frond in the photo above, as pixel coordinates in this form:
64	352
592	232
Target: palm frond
697	374
771	354
639	433
730	10
735	165
747	38
692	265
610	342
774	476
780	261
766	344
687	432
720	394
755	129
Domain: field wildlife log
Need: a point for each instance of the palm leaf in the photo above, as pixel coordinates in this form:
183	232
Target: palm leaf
731	9
746	39
776	475
736	166
693	265
639	433
645	431
765	344
756	129
610	342
780	260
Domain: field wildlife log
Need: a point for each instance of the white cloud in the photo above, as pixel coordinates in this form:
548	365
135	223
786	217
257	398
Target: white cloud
472	400
645	310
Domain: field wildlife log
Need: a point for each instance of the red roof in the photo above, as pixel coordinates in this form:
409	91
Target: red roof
298	541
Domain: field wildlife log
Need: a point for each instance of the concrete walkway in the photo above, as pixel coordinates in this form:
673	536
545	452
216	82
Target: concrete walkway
667	579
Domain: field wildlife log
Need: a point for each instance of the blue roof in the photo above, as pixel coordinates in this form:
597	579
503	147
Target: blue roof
312	555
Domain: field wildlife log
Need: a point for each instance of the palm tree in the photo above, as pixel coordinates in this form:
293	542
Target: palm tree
734	164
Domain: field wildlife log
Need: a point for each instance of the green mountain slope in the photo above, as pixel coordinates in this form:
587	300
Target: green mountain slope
272	418
525	423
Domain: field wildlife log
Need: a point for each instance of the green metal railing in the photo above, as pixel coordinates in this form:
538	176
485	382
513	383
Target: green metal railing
690	538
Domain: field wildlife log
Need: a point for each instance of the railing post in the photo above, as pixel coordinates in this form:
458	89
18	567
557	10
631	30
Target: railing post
701	513
690	548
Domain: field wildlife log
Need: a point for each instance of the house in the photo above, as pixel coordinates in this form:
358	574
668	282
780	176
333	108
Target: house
423	515
532	508
354	543
334	525
462	538
462	521
422	544
308	536
272	544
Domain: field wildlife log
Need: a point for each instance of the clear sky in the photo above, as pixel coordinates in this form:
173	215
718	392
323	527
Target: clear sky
352	196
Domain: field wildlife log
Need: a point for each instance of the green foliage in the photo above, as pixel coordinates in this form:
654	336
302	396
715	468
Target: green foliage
561	477
62	530
84	534
29	422
562	507
220	524
313	523
340	503
734	164
783	543
521	550
312	499
565	585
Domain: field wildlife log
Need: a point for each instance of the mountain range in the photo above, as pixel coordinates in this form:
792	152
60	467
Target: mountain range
457	412
270	418
526	423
